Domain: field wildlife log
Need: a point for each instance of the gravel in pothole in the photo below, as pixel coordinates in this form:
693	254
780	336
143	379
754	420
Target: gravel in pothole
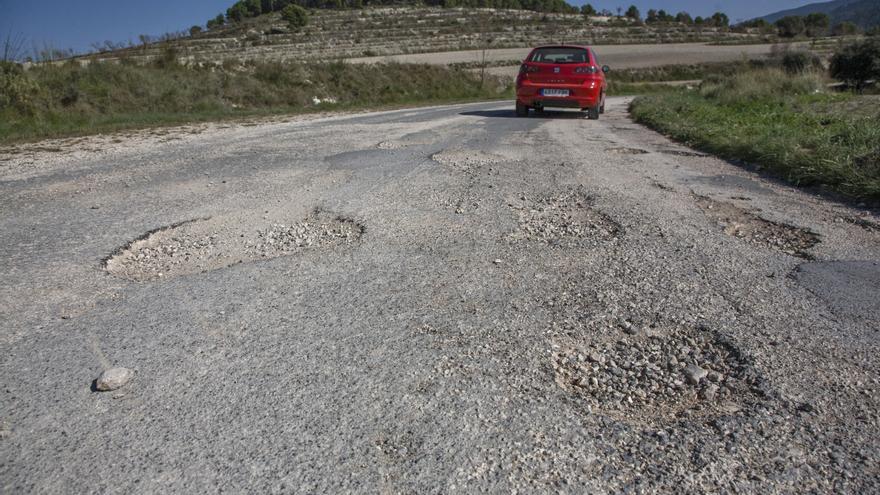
660	375
209	244
569	216
318	230
468	161
742	224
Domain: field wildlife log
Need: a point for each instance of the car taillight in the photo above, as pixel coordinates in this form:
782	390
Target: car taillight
525	69
586	70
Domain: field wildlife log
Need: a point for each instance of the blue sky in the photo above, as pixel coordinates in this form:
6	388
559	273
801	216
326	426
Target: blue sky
78	23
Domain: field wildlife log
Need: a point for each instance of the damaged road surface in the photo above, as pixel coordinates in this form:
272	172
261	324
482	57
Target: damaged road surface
435	300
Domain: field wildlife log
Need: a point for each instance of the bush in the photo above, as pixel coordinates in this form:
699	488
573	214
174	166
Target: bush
296	16
857	63
17	91
796	62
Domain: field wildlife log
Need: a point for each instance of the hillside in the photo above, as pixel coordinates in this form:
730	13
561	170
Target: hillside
335	34
863	13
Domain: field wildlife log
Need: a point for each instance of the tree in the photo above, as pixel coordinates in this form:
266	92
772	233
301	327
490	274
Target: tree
684	18
791	26
216	22
845	29
857	63
817	24
237	12
296	16
254	7
720	19
633	13
588	11
652	16
195	30
699	21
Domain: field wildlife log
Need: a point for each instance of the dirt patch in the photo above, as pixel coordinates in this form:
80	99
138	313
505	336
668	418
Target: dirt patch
743	224
657	375
568	217
202	245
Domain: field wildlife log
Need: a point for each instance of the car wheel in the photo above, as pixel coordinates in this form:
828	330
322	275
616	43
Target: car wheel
593	113
539	109
521	110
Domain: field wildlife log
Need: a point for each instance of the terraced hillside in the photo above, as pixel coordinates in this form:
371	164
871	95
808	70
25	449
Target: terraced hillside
335	34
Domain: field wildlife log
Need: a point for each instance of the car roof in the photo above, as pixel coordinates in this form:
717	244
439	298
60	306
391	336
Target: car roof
561	46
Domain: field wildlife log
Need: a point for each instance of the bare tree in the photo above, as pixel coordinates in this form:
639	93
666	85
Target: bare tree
13	47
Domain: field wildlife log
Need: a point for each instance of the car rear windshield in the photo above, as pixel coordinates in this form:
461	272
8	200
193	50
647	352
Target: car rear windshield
560	55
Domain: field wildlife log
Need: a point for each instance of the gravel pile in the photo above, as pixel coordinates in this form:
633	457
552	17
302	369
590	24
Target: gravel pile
568	216
742	224
656	375
318	230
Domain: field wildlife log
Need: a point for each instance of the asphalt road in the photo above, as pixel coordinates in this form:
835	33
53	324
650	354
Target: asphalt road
459	301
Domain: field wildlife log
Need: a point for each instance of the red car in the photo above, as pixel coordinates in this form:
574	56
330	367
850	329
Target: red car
562	76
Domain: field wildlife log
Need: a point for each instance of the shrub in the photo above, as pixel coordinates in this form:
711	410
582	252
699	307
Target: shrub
17	90
796	62
296	16
856	63
195	30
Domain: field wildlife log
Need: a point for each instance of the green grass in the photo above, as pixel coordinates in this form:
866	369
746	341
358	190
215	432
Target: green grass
789	125
64	100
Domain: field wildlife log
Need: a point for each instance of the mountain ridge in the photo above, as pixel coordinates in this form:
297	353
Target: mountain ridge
863	13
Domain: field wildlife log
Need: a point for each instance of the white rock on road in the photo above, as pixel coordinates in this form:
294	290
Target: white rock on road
113	379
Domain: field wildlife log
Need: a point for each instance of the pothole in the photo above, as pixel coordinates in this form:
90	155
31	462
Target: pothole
658	375
742	224
627	151
566	217
390	145
202	245
466	160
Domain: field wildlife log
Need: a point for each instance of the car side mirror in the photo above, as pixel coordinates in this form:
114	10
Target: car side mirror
605	69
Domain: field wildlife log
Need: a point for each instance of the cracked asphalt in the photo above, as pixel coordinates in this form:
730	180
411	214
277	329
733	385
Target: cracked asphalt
549	304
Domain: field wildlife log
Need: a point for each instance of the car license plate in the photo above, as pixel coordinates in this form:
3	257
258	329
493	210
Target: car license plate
555	92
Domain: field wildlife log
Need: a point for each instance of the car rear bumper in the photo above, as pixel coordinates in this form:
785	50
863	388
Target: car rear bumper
580	96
